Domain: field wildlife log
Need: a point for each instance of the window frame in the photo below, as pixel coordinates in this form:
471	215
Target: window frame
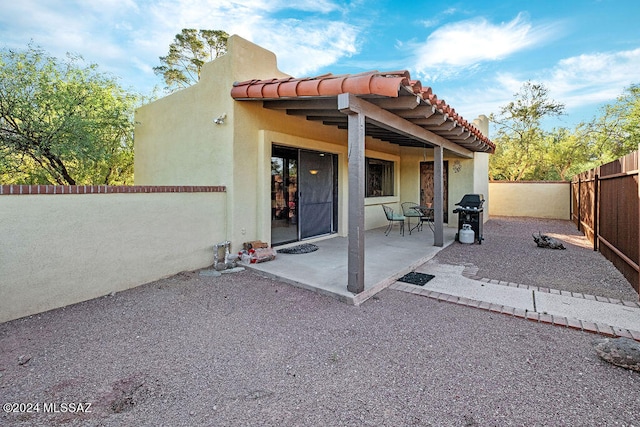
386	183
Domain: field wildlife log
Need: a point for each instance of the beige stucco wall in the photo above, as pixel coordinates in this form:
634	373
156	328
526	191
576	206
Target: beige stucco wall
62	249
533	199
465	176
177	143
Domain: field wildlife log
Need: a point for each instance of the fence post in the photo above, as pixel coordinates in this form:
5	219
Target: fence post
579	204
596	209
571	200
637	284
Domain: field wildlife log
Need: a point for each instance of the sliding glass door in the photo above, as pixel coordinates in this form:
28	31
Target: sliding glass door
303	194
284	195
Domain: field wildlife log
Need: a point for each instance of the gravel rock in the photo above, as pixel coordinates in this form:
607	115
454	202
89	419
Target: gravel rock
242	349
210	273
509	253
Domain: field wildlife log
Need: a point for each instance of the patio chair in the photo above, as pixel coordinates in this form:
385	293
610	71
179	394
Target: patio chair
427	216
393	217
411	210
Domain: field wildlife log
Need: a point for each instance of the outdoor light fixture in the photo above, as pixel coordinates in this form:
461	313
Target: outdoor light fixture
220	119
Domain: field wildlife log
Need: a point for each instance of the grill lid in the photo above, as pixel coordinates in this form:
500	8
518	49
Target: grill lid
471	201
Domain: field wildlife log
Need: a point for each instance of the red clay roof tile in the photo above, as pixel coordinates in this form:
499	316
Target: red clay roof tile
389	84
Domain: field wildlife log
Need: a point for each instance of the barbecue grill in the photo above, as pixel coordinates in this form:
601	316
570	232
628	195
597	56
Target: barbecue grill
469	211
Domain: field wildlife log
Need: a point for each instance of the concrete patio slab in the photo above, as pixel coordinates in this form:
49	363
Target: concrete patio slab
387	258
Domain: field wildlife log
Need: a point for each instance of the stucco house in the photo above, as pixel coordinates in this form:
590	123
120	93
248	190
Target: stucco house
308	157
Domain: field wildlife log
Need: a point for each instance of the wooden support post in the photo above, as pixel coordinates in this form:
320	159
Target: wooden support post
580	204
355	282
438	199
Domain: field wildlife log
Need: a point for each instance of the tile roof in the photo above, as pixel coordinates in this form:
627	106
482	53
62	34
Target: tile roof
373	86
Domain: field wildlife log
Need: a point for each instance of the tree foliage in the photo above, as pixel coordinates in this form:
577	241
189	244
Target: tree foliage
616	132
190	50
524	150
62	122
565	154
520	140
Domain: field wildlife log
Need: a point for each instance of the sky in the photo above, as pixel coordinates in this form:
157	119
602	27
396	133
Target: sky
473	54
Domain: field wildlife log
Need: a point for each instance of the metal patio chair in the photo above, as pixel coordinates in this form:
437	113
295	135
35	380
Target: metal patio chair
427	216
393	217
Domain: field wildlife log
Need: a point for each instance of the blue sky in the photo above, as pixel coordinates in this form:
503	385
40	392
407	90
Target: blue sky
474	54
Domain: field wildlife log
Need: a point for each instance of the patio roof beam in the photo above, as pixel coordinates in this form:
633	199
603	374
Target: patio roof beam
401	103
444	127
454	131
384	119
310	112
336	123
436	120
421	112
298	104
460	139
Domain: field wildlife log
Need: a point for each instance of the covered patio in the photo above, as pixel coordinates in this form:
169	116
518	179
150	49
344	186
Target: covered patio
387	259
387	106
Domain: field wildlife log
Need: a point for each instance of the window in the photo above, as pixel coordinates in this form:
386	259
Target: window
378	177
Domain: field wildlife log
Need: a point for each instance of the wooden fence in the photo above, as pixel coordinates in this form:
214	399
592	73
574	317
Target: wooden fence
606	208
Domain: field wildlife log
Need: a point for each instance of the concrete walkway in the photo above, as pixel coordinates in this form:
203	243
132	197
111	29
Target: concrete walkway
388	258
460	285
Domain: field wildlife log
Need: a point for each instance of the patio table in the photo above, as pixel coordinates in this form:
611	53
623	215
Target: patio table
427	216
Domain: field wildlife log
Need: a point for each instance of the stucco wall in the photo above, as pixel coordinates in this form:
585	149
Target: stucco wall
62	249
177	143
461	177
538	199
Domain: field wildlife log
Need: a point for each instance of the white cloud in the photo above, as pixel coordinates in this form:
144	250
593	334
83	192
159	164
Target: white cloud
583	83
594	78
466	44
304	47
322	6
301	47
126	37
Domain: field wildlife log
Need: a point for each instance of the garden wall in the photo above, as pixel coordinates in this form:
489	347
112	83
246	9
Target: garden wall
65	244
537	199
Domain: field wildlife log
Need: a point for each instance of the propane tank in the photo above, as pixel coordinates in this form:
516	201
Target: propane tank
466	235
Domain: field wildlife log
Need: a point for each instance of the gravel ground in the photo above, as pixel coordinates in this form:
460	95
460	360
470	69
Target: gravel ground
509	253
242	350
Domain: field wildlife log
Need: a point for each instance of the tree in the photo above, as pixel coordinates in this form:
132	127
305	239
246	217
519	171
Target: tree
520	139
617	131
190	50
566	153
62	122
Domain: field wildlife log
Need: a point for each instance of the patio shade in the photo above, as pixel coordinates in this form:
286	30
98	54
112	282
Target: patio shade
393	92
388	106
